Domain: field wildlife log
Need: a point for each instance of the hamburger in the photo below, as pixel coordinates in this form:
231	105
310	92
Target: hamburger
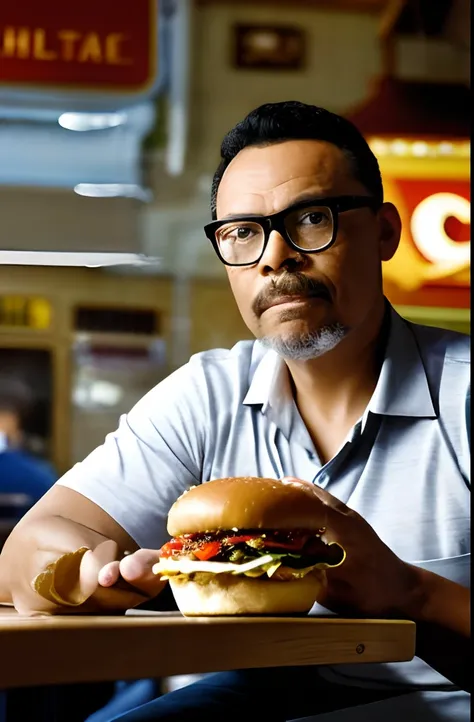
243	546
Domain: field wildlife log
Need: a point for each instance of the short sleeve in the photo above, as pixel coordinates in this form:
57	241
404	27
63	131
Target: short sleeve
155	454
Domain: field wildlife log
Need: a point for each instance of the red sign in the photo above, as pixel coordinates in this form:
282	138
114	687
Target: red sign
78	45
432	264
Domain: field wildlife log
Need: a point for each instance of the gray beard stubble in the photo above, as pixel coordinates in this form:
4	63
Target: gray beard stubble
303	347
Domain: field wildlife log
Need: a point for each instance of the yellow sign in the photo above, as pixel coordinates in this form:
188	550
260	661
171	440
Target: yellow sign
88	45
25	312
435	244
428	228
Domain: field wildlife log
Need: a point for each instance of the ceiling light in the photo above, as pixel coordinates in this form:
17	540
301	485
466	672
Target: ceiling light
91	121
445	148
379	146
420	149
114	190
80	259
399	147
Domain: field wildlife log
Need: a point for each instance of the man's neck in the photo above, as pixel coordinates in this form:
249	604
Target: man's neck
342	381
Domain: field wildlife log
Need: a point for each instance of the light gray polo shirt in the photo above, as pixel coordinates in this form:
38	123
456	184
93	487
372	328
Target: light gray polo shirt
405	466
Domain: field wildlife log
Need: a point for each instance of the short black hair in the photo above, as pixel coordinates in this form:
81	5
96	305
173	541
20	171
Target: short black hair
292	120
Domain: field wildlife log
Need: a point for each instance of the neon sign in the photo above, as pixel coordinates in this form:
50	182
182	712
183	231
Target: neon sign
428	229
434	250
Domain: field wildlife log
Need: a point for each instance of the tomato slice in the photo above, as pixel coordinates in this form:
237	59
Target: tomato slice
172	546
207	550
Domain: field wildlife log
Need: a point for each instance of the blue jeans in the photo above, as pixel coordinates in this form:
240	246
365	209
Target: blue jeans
128	695
253	695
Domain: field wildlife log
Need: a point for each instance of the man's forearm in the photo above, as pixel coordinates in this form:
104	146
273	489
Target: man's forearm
440	602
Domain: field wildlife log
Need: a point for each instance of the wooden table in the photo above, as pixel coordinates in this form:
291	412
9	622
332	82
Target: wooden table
63	649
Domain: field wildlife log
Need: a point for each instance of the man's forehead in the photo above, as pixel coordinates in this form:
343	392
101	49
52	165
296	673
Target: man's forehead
275	175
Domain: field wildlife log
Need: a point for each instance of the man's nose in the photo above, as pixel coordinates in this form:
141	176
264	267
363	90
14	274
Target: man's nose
279	254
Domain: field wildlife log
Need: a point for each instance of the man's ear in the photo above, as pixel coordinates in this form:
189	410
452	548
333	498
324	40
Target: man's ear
390	231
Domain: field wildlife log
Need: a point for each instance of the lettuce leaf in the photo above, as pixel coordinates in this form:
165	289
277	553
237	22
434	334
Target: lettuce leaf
169	566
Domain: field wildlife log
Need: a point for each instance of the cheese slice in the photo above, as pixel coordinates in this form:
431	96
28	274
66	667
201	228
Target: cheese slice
187	566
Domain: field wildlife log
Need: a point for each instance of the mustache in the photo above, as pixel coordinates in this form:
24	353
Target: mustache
289	284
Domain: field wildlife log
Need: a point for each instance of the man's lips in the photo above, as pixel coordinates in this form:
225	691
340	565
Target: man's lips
296	298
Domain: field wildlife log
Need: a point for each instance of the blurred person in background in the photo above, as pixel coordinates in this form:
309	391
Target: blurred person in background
24	479
337	390
20	471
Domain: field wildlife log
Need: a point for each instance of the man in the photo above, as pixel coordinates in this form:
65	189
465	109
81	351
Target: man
338	391
20	472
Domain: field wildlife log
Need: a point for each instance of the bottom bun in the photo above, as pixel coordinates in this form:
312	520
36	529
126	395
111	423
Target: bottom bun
208	595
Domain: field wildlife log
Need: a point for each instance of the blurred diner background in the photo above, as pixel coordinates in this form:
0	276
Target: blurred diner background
111	118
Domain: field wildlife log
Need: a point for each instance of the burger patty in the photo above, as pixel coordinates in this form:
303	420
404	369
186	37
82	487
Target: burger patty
296	549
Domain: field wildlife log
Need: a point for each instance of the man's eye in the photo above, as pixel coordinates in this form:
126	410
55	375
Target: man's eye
242	234
315	218
237	233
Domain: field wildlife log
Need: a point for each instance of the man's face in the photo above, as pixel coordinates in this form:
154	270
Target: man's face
9	424
263	181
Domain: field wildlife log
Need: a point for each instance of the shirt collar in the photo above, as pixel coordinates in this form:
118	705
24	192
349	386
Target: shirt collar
269	369
402	388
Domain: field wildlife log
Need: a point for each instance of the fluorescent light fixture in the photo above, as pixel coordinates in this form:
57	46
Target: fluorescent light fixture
91	121
446	148
420	149
113	190
400	147
80	259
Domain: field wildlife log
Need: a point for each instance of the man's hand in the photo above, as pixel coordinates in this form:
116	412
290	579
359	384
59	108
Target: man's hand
104	581
134	569
372	581
110	580
64	555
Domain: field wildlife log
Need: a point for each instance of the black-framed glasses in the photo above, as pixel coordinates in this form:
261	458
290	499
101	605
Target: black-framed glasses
309	226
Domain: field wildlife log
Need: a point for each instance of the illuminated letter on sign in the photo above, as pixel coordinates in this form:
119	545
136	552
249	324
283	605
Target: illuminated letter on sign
428	228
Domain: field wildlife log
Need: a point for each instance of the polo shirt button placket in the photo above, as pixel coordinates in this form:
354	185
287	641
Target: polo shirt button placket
312	471
321	480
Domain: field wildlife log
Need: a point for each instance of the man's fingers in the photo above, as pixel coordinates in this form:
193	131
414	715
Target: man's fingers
112	588
331	501
92	564
109	574
134	566
108	599
106	552
133	574
294	480
130	580
328	499
137	570
88	572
